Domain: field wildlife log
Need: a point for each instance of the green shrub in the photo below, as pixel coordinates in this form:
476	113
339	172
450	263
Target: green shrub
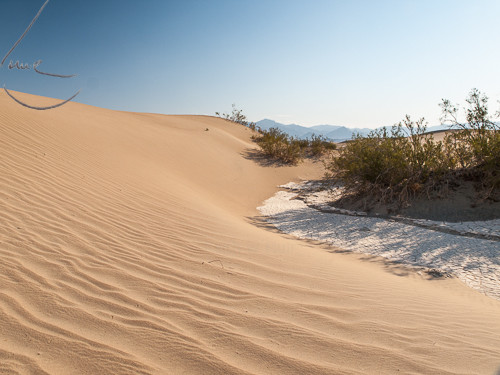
408	162
319	145
477	141
279	145
303	144
397	165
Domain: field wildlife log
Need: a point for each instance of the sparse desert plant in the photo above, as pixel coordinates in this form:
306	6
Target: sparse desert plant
238	117
279	145
394	166
407	162
276	144
304	144
319	145
477	140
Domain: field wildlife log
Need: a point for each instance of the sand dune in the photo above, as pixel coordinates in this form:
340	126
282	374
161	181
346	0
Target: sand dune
131	244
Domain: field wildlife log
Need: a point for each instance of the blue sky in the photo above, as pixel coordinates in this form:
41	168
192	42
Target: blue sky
352	63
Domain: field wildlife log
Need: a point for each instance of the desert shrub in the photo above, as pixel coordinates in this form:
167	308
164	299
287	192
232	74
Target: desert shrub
279	145
319	145
406	162
238	117
476	141
303	144
273	142
395	165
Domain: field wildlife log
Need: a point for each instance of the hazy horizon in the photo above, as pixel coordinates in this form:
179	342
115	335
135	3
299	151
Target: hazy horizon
355	64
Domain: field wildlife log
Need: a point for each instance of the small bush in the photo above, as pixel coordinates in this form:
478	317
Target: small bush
279	145
238	117
273	142
303	144
477	141
319	145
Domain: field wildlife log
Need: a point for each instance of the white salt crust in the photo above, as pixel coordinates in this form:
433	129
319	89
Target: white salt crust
469	251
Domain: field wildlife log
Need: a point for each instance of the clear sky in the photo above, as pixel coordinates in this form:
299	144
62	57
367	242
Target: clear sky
352	63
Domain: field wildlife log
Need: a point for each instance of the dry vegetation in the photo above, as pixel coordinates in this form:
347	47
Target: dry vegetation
407	162
404	163
280	146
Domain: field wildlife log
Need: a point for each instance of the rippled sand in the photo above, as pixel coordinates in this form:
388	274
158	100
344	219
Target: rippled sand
130	244
469	251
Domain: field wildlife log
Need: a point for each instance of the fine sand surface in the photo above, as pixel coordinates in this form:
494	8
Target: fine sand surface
131	244
469	251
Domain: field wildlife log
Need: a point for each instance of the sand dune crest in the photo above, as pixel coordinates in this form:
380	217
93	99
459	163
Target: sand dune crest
131	244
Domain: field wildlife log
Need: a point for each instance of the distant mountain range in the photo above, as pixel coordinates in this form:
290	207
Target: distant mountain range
335	133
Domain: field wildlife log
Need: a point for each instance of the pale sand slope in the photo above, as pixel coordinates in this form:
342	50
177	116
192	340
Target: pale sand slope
109	221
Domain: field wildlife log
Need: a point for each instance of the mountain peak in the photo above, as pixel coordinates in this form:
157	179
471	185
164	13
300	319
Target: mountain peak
334	132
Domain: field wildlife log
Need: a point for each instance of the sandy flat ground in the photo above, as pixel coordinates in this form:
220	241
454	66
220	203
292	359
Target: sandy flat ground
131	244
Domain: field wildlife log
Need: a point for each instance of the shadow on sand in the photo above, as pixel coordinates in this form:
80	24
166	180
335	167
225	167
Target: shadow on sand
395	267
261	159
